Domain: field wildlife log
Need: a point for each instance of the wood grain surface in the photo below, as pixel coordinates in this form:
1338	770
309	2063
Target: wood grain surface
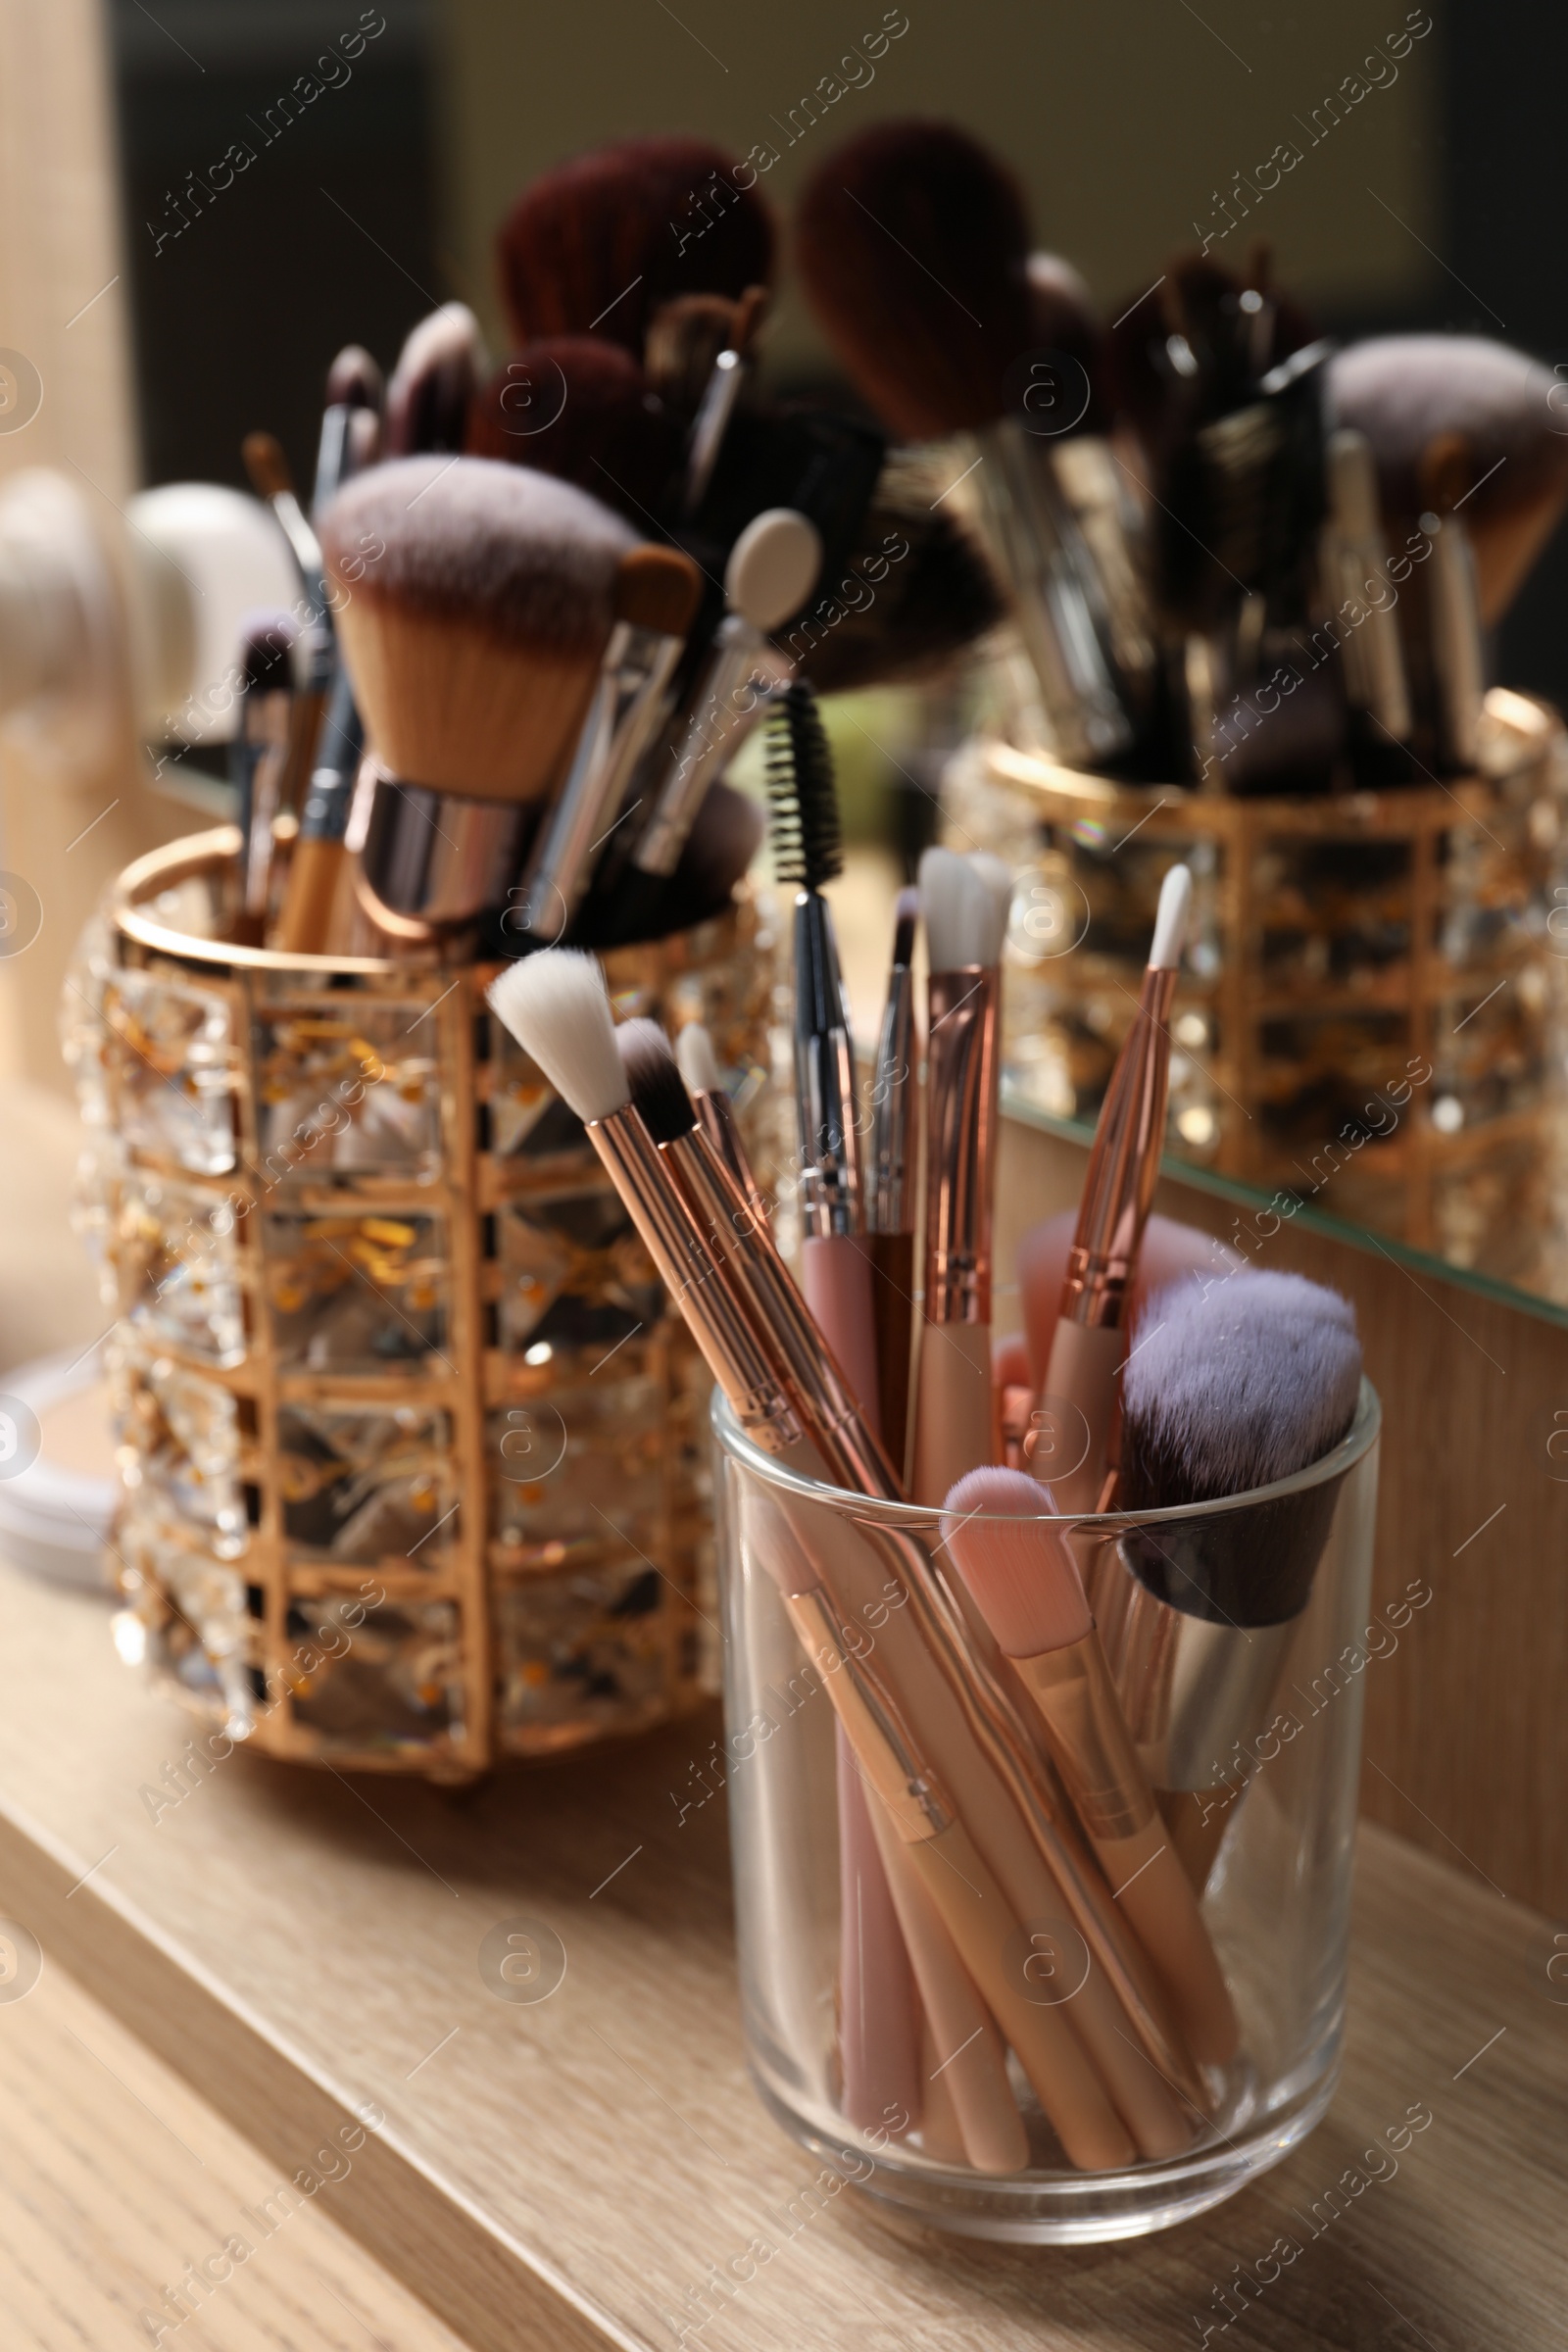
1466	1745
573	2173
115	2179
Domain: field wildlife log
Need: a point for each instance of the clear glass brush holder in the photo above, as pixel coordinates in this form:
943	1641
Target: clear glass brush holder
1249	1734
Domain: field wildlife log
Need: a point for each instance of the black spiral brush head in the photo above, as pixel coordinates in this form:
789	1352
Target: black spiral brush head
803	799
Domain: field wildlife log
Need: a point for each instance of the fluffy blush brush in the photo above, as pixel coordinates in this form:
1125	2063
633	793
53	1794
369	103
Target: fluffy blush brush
1026	1585
1227	1388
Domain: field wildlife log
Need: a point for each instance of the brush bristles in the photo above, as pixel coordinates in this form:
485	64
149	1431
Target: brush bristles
1024	1581
654	1076
604	240
964	909
699	1064
905	922
439	368
1232	1386
266	643
801	790
1170	920
912	243
580	409
1404	392
354	380
556	1006
524	558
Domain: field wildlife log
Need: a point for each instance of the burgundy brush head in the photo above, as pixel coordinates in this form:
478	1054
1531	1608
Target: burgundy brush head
354	380
580	409
599	244
1062	319
912	243
519	555
437	374
1200	302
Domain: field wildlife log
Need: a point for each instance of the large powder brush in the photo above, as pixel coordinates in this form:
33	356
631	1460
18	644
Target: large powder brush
1229	1387
476	602
600	244
912	243
580	409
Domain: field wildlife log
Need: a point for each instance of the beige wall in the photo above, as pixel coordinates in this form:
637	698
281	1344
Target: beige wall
1123	120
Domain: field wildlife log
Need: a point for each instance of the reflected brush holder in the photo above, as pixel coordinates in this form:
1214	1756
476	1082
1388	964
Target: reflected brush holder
1371	1005
413	1452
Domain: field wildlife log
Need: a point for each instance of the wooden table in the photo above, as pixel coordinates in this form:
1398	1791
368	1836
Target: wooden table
569	2175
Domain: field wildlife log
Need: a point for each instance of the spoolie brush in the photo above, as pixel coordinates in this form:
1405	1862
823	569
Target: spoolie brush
807	852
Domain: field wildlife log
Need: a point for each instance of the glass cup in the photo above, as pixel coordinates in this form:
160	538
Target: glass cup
1231	1631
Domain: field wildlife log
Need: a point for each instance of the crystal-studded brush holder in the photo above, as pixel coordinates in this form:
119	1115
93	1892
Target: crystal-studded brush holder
414	1469
1250	1735
1370	1013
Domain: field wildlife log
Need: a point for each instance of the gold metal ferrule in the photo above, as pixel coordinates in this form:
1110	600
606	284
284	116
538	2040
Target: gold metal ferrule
963	1081
1123	1165
696	1279
1088	1738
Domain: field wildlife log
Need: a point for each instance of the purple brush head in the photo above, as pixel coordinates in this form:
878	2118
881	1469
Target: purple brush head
1234	1387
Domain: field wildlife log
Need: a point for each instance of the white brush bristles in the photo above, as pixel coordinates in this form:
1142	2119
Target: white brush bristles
699	1064
1023	1579
556	1006
966	909
1170	923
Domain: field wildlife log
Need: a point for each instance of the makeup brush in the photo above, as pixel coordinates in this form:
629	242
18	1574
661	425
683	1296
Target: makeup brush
271	481
715	1114
315	864
1078	1401
601	243
835	1271
1459	417
914	244
685	337
726	834
478	603
1354	568
767	1355
259	760
353	387
723	393
656	595
1028	1588
1169	1253
963	901
879	2015
439	370
556	1006
938	1850
1230	1388
580	408
889	1242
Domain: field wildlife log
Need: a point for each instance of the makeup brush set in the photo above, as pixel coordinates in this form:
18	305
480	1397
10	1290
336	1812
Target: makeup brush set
539	607
1233	556
1038	1668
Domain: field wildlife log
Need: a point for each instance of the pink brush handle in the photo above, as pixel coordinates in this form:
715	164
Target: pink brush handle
836	1277
1076	1411
971	2058
954	1408
879	2026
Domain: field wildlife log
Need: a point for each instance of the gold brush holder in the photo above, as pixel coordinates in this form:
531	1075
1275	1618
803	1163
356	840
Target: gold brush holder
413	1449
1371	1002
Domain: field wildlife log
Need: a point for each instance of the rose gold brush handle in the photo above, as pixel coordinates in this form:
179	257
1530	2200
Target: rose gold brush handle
970	1903
1001	1786
971	2057
715	1114
891	1256
1088	1738
1080	1387
879	2017
954	1408
836	1277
